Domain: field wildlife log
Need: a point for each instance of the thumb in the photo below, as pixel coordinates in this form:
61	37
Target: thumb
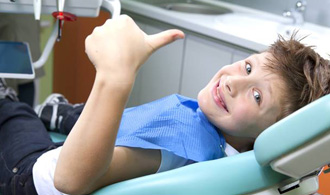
161	39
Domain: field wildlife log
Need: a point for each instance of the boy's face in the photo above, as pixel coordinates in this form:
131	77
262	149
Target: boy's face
243	99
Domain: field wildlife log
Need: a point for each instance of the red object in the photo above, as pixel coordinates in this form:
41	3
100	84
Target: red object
66	16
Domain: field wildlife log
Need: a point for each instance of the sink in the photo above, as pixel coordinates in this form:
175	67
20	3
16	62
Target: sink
266	31
251	27
189	6
260	27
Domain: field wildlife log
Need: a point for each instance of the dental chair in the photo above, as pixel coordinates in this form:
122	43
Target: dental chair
287	158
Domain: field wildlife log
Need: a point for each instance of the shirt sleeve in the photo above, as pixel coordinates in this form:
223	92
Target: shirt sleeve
171	161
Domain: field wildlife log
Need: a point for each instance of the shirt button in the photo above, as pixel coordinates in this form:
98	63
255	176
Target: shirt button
15	170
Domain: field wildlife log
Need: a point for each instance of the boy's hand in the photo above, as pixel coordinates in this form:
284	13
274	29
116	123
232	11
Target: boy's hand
119	47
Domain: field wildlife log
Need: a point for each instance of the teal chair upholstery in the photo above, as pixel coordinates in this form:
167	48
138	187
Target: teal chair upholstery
250	172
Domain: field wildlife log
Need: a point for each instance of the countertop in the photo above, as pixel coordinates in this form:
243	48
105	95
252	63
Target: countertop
245	27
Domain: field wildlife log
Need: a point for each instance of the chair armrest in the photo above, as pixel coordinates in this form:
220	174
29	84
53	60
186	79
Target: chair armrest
239	174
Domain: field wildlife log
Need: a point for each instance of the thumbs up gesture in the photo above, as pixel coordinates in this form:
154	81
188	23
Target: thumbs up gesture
119	47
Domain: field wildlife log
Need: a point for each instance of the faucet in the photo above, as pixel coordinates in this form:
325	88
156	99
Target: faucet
297	14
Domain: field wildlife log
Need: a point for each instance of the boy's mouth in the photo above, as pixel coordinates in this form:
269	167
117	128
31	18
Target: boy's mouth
218	97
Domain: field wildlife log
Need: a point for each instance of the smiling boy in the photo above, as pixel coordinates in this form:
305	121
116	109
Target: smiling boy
109	143
242	100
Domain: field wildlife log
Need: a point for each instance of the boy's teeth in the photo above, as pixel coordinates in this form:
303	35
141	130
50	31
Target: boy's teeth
218	93
223	104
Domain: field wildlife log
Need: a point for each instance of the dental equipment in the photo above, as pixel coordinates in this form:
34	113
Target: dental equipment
286	159
84	8
62	16
37	9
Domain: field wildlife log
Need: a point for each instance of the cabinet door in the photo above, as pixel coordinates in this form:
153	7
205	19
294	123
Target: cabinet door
203	57
160	74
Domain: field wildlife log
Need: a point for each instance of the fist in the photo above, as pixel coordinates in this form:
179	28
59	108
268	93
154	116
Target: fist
119	47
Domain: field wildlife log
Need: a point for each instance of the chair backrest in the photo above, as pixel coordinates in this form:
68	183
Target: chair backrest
295	146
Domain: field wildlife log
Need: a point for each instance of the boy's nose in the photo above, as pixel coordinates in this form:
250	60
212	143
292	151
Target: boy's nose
236	84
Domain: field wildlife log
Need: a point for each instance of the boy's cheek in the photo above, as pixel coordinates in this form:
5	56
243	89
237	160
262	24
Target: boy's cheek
241	112
242	117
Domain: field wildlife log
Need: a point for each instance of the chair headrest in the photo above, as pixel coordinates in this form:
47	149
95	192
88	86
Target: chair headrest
293	131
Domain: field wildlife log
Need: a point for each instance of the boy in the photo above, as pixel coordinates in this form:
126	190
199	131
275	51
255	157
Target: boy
239	102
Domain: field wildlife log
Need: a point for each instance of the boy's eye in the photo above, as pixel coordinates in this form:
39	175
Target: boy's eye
248	68
257	96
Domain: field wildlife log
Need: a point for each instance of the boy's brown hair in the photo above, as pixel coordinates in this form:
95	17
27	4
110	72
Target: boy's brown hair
305	73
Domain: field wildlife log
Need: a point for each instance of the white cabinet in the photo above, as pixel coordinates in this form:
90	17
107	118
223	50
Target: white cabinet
160	74
203	57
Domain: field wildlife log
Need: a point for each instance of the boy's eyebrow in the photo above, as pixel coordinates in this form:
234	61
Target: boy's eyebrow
256	60
269	88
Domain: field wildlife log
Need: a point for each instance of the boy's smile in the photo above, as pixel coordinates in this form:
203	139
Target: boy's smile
219	97
244	98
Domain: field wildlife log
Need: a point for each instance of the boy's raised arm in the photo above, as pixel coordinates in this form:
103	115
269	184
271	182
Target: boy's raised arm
117	49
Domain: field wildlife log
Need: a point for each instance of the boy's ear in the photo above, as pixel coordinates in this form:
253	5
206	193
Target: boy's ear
161	39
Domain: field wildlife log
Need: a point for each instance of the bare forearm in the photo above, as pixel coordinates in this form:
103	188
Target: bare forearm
117	49
88	150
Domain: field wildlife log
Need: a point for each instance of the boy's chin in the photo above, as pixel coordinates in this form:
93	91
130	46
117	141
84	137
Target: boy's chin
202	100
202	95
